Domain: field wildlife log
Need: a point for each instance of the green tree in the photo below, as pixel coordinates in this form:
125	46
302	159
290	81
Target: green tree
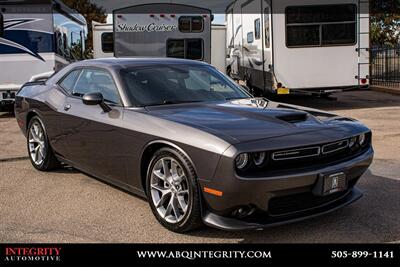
385	22
91	12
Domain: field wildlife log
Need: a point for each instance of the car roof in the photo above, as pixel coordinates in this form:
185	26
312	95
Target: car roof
132	62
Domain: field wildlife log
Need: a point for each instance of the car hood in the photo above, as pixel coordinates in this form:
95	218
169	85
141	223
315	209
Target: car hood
247	119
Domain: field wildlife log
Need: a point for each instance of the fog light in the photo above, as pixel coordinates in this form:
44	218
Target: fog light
243	211
361	139
242	160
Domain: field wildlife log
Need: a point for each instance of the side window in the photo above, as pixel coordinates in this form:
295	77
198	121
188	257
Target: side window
321	25
194	49
1	25
176	48
267	27
97	81
107	42
191	24
250	37
257	29
185	48
69	81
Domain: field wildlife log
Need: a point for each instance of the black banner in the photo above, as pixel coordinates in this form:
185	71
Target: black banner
205	254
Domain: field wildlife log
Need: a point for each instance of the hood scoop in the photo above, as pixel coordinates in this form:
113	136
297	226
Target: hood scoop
293	117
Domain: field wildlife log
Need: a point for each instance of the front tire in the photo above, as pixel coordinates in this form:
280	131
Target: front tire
172	191
40	152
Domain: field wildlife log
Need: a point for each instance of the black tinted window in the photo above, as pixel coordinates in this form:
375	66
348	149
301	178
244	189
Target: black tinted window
1	25
250	37
185	48
194	49
69	81
176	48
267	27
257	29
321	25
107	42
191	24
316	14
303	35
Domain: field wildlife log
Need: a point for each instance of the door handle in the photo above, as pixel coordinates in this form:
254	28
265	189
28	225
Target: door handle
67	107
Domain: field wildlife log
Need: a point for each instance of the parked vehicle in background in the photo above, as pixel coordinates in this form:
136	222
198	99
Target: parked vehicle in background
285	46
47	38
103	43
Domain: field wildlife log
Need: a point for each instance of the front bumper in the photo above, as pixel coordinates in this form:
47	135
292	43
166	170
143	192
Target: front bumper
258	193
260	223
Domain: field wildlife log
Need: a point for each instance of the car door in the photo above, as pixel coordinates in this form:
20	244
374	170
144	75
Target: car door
93	137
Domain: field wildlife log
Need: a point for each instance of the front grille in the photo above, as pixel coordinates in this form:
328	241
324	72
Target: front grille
286	205
296	153
334	147
280	162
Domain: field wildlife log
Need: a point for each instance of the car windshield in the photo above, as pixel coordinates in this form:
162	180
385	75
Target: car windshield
178	83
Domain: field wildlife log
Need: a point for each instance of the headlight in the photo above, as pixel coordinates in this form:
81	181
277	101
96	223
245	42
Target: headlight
361	139
352	141
259	158
242	160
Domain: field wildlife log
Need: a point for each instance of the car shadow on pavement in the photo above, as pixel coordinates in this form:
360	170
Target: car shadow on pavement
374	218
345	100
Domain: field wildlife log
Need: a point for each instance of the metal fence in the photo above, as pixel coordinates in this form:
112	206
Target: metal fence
385	69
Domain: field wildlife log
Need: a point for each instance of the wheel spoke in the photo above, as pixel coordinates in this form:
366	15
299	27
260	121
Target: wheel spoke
175	208
159	175
34	135
37	153
168	210
183	192
182	203
165	168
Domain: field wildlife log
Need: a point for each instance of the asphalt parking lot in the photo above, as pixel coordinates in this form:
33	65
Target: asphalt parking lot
68	206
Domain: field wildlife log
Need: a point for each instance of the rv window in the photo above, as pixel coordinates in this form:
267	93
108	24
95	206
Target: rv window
250	37
107	42
191	24
1	25
321	25
257	29
194	49
267	27
185	48
176	48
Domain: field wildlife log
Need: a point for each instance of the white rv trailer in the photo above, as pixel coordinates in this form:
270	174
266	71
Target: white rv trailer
36	37
288	46
103	43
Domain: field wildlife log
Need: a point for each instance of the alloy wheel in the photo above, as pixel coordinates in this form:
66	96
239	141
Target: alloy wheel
169	189
37	145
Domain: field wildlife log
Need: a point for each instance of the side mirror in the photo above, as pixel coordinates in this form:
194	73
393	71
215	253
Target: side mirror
93	99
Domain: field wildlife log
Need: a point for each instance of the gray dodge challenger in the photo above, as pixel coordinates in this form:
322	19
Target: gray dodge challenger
194	143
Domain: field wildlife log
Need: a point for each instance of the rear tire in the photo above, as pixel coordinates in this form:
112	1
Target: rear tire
172	191
40	152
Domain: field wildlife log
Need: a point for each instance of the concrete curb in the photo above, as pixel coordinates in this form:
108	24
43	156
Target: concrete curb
389	90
